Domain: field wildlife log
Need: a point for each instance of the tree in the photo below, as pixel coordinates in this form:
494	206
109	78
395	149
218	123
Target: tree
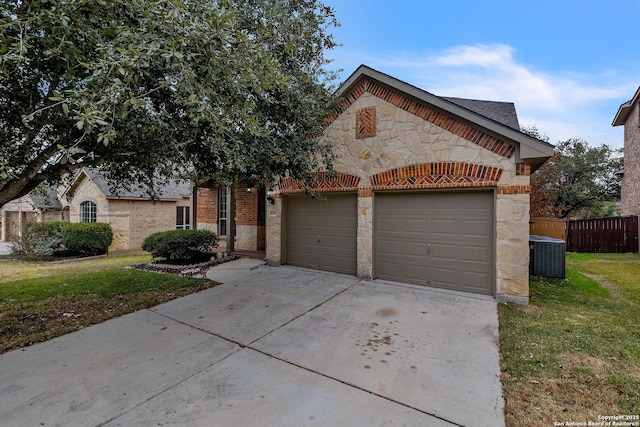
578	178
147	88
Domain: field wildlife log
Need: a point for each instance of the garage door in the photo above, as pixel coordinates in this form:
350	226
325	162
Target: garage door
321	234
443	240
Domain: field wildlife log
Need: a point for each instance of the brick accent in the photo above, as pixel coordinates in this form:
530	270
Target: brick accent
322	182
523	169
514	189
208	205
366	122
365	192
249	205
439	118
437	175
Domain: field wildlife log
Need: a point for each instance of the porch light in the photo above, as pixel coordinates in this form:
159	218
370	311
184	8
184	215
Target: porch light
270	194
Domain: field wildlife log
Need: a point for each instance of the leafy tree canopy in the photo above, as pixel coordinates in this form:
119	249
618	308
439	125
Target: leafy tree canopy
577	180
148	88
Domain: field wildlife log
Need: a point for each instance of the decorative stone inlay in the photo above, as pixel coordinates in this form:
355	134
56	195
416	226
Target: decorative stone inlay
322	182
439	118
523	169
437	175
366	122
514	189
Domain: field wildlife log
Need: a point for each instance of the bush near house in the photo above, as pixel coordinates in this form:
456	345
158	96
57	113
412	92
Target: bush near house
42	240
91	238
181	246
39	240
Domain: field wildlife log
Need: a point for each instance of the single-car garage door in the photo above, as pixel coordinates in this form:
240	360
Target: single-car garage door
321	234
444	240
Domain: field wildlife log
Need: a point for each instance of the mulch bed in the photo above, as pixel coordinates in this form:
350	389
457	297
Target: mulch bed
193	270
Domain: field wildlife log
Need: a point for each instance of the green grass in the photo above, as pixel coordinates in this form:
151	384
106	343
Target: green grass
39	301
104	283
574	353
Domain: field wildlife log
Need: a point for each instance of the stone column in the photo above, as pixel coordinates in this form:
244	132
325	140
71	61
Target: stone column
512	251
274	231
365	234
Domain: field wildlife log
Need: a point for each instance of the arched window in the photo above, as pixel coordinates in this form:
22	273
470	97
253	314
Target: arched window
87	212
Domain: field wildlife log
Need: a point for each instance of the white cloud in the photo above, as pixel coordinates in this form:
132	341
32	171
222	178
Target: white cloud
561	104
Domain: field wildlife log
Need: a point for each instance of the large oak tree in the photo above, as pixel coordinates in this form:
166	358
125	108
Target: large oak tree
148	88
578	179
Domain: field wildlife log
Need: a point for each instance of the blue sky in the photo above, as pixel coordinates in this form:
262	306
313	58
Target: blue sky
566	64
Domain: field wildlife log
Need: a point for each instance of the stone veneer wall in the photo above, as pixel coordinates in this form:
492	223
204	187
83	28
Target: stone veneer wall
631	178
403	138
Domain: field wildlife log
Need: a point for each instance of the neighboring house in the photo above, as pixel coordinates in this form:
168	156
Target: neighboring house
628	115
431	191
34	207
131	214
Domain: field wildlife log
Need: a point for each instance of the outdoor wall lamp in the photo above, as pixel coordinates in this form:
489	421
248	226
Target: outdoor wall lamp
270	197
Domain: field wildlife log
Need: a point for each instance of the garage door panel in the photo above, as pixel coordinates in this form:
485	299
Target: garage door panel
475	254
416	225
390	247
444	252
475	228
321	234
416	249
417	273
391	225
437	239
444	226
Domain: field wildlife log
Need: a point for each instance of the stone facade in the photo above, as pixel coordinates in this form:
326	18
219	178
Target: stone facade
413	147
631	178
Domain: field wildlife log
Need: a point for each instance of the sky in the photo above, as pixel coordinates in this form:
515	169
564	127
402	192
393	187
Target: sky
567	65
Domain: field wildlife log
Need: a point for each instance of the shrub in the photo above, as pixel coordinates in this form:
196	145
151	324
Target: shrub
39	240
181	245
91	238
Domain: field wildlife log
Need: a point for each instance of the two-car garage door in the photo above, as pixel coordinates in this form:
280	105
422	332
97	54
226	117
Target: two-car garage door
439	239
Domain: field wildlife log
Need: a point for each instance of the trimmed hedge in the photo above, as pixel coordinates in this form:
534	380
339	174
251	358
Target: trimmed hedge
181	245
91	238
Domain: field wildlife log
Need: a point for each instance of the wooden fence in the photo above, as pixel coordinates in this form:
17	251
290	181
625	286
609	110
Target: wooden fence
603	235
550	227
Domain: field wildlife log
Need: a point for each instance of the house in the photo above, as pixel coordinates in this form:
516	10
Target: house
37	206
628	115
429	190
214	207
131	214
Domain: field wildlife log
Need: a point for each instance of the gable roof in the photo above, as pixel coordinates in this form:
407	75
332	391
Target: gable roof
495	128
48	200
175	189
625	109
501	112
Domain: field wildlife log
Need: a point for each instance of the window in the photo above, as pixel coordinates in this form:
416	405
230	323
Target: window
223	211
183	219
87	212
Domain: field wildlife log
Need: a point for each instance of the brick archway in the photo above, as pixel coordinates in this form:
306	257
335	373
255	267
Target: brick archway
322	182
437	175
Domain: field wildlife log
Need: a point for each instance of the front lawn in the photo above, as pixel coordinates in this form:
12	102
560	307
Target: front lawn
40	301
573	354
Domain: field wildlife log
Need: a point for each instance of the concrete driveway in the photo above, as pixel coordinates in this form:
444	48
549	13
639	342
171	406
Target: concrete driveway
5	249
271	346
